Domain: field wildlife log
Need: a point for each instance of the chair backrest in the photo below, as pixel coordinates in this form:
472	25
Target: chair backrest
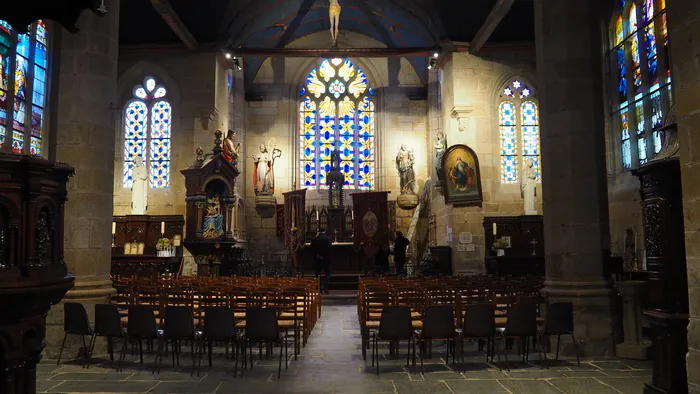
179	323
479	321
438	322
522	320
261	324
560	318
75	319
219	324
107	320
395	323
142	322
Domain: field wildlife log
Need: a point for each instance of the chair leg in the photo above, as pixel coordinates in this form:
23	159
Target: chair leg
123	352
505	352
422	350
60	353
194	355
558	339
376	348
408	353
91	347
575	349
110	348
159	355
209	348
141	350
279	368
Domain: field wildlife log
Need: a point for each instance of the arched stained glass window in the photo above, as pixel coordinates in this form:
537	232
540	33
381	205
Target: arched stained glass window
23	81
337	112
643	95
519	129
147	127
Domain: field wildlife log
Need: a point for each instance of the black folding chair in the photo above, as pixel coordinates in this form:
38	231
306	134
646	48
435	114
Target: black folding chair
179	326
560	320
395	325
75	322
478	323
108	324
261	327
219	326
521	324
141	325
438	323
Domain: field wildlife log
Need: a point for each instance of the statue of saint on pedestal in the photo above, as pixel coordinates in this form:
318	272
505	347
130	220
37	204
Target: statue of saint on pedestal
528	187
263	175
231	149
440	148
404	164
334	15
139	187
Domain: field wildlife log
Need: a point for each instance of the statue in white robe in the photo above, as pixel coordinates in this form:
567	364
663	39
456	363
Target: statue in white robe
528	187
139	187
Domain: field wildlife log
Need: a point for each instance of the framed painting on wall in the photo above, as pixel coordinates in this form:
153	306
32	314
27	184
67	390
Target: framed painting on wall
461	176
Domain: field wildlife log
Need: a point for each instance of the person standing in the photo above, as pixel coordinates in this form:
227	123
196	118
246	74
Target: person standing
321	247
400	246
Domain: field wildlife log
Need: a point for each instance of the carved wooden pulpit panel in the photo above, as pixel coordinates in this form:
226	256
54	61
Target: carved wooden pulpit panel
371	222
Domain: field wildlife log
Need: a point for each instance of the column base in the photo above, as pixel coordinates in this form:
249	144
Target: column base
593	317
87	293
632	351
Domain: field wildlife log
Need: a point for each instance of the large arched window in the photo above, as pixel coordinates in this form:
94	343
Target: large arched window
23	63
147	124
519	130
642	78
337	112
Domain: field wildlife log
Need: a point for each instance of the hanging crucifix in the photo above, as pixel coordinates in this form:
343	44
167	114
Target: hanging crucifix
334	15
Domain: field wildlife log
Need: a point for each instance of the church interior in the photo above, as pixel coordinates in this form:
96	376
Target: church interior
195	193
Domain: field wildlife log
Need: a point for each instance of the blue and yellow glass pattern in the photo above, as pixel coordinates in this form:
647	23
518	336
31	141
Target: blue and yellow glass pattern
147	133
337	112
625	131
506	114
530	134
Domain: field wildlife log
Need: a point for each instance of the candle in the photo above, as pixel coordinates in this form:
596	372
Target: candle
316	215
494	229
114	228
353	214
162	227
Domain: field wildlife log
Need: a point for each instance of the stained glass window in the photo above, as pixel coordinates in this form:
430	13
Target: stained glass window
636	33
26	86
337	112
519	130
147	129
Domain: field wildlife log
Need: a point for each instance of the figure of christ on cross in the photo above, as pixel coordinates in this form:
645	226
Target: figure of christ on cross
334	15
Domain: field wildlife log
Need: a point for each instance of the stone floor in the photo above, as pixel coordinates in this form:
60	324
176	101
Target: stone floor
332	363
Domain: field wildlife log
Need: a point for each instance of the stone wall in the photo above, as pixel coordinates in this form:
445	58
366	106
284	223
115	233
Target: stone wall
471	84
272	113
684	32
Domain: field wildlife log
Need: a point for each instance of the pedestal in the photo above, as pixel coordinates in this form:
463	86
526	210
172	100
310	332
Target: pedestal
407	201
632	293
265	205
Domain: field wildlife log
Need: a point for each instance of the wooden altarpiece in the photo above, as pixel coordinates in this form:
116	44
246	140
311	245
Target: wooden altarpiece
371	222
210	201
295	224
33	274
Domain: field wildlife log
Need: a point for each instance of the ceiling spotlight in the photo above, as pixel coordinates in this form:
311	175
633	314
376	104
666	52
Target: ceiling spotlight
435	55
228	55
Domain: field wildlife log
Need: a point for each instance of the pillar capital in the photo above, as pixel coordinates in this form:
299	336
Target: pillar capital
461	113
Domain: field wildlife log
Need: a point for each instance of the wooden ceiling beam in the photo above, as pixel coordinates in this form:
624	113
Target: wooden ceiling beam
170	17
498	12
333	52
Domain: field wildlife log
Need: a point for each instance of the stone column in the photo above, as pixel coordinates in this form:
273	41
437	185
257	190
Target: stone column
86	123
569	66
684	30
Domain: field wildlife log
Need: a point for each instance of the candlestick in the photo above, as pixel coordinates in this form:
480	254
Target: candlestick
162	228
494	229
114	228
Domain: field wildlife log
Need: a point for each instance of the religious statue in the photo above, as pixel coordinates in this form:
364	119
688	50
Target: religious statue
630	258
263	173
528	187
334	15
214	220
404	164
139	187
231	149
440	148
461	175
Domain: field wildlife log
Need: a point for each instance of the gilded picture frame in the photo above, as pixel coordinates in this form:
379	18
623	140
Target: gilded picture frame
461	176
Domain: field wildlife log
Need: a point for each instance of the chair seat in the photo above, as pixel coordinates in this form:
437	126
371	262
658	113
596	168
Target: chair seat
378	315
501	321
280	323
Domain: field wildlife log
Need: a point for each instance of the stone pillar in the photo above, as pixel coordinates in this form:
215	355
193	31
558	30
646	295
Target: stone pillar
684	30
632	293
86	123
569	66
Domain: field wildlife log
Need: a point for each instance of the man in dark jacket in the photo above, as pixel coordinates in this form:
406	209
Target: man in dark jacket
321	247
400	246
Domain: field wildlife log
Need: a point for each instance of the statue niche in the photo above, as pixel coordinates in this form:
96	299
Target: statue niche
211	199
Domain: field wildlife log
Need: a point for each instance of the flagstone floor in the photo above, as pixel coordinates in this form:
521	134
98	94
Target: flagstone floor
332	363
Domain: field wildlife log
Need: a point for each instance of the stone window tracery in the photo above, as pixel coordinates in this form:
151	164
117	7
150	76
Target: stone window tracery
147	129
642	78
337	111
519	130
